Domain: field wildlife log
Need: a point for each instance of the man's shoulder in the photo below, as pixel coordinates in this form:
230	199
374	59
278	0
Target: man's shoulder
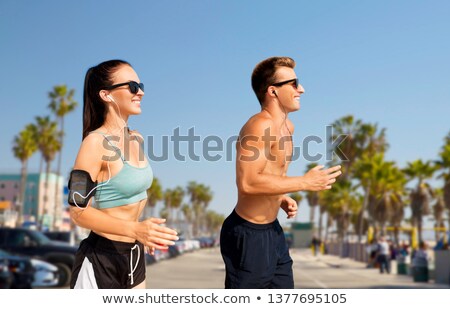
257	123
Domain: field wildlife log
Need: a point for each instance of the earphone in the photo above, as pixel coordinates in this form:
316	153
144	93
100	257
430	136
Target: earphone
118	108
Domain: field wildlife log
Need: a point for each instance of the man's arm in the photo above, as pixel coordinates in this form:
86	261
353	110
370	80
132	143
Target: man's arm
253	154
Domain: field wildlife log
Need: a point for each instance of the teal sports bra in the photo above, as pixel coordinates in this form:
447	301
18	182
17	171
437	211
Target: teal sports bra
128	186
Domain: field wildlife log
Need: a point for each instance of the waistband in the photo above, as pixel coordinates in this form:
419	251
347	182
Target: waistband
264	226
111	246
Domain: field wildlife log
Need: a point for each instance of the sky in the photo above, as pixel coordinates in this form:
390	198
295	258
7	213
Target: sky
385	62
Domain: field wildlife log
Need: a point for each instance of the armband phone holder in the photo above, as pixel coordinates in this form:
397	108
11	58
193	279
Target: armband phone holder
81	188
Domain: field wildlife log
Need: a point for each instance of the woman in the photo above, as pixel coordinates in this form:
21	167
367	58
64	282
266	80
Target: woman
110	165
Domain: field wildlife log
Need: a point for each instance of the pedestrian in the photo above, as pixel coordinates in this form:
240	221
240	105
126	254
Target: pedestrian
420	256
315	245
383	255
112	168
420	262
252	242
371	250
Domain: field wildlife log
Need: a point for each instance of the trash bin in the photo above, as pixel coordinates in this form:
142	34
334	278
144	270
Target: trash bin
402	268
420	274
420	268
402	264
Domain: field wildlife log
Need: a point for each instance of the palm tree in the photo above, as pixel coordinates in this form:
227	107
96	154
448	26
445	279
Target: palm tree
420	196
398	212
389	193
48	145
438	212
24	146
205	198
383	184
444	165
346	128
164	213
322	211
213	222
172	201
364	172
177	199
369	140
200	196
154	195
361	139
61	104
167	198
341	201
312	197
188	214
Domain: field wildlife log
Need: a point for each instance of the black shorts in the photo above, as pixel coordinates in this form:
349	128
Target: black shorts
101	263
256	256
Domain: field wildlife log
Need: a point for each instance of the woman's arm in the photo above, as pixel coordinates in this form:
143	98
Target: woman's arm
90	159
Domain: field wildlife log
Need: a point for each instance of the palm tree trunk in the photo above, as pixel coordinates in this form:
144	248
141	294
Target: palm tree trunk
23	184
47	176
436	231
419	228
58	173
361	215
320	223
312	214
447	200
41	164
56	205
327	228
396	234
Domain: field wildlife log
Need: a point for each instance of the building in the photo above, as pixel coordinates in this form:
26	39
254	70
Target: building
302	234
41	194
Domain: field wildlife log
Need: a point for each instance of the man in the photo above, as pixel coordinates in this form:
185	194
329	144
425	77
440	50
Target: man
383	255
252	241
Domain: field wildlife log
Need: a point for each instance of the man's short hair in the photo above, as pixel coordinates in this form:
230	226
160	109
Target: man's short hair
263	74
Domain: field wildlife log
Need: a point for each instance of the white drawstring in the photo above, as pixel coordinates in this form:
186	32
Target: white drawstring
131	262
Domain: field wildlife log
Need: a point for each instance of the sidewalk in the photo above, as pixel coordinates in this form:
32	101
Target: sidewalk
335	272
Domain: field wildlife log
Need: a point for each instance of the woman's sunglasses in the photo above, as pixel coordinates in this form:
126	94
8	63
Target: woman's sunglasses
134	86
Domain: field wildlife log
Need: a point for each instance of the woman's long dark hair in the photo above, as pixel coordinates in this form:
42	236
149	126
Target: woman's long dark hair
96	79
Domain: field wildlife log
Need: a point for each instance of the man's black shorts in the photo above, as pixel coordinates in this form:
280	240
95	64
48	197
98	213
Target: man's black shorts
256	256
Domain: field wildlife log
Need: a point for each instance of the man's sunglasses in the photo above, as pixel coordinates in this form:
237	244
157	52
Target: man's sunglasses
134	86
293	81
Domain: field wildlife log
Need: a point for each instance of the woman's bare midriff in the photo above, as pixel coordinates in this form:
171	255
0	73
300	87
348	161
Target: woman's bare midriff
130	212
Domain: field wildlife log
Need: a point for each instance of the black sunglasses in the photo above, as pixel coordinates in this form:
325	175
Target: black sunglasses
134	86
293	81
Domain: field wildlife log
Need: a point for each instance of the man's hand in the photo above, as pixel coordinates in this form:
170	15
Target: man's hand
289	206
318	179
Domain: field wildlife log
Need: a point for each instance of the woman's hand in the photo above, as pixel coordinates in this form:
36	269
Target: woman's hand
153	235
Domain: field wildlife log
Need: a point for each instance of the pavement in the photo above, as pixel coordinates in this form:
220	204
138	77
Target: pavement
331	271
204	269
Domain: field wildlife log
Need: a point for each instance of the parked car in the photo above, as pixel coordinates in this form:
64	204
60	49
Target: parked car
35	244
206	242
20	268
66	236
173	251
6	276
45	274
149	259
